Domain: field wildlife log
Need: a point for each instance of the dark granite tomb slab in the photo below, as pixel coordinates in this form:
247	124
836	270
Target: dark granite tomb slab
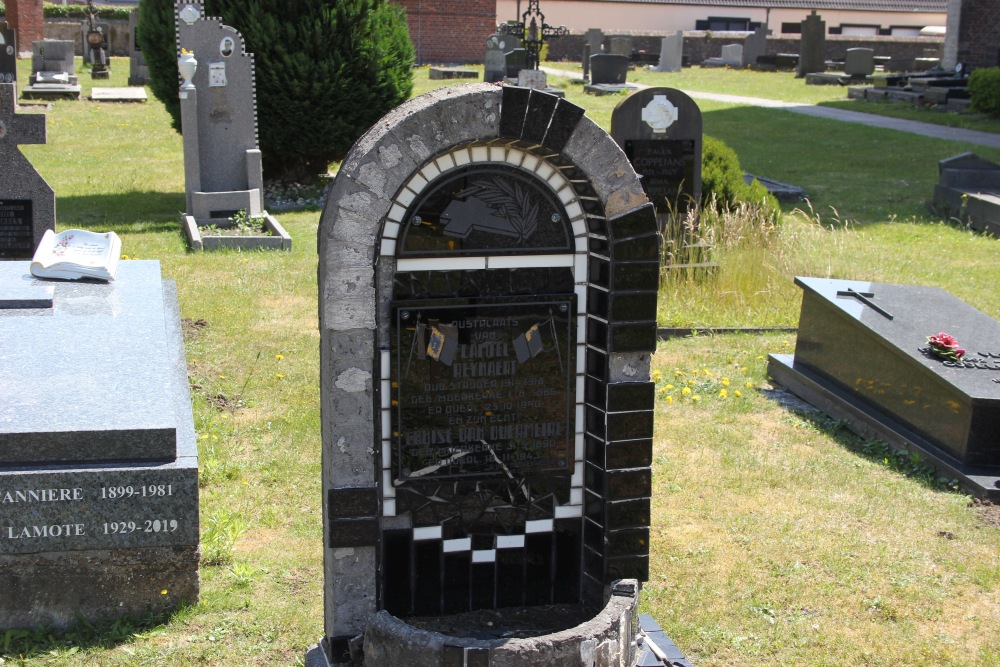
866	343
86	382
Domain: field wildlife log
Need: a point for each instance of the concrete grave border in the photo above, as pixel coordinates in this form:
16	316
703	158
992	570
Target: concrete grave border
621	260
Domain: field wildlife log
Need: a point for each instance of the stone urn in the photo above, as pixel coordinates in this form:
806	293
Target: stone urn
187	66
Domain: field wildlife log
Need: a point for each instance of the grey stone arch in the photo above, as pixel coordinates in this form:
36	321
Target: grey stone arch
620	253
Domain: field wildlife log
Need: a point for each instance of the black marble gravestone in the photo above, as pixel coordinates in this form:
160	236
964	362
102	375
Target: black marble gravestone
862	352
607	68
660	131
8	54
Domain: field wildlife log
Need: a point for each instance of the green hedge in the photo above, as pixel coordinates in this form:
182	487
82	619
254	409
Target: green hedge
722	176
54	11
984	90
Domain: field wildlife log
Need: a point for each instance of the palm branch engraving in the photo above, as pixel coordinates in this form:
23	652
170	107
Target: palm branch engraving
497	206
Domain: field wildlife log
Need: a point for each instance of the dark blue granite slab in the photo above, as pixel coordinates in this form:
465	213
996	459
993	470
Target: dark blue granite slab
873	348
88	382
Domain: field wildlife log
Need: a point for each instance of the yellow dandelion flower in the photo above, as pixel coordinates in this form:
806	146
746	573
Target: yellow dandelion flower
749	384
223	416
686	390
222	377
723	393
163	592
279	357
204	437
279	375
691	382
696	397
737	393
760	357
670	387
670	399
215	437
725	382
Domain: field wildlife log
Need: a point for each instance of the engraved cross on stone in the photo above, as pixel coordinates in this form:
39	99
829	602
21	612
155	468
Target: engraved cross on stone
865	298
17	128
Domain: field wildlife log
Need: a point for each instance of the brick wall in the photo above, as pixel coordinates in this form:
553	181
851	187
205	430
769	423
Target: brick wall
28	21
979	33
449	31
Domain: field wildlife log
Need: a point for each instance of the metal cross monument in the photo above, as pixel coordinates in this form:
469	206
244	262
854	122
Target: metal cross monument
532	30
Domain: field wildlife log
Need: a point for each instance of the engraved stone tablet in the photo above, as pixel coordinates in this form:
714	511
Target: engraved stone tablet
482	389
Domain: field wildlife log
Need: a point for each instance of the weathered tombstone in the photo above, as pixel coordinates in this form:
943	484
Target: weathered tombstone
515	60
621	46
532	78
732	55
222	162
8	55
486	404
754	46
595	38
863	354
98	467
812	47
660	131
859	62
95	51
606	68
671	53
53	70
138	73
27	203
494	68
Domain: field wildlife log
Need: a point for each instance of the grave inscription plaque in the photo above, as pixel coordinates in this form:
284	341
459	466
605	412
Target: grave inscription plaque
16	235
482	389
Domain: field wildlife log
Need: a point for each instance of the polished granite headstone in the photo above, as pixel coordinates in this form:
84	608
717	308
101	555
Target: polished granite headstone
27	202
864	346
98	461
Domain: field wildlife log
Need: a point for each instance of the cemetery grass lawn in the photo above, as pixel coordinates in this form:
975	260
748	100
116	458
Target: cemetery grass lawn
778	538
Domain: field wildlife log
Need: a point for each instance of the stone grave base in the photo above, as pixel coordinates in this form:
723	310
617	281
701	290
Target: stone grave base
606	640
452	73
278	239
834	79
870	422
132	94
783	192
49	91
608	88
51	589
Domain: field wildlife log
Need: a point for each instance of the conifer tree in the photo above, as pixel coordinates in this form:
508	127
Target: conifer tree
326	71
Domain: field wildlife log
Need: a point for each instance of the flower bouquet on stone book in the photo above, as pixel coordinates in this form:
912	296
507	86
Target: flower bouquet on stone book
75	254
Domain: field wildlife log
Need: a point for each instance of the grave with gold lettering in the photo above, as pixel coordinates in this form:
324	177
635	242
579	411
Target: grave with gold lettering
98	461
489	267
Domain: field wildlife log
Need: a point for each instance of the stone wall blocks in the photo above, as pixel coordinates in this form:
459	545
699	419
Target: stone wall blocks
629	367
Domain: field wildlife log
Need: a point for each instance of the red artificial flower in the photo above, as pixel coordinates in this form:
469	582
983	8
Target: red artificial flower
945	346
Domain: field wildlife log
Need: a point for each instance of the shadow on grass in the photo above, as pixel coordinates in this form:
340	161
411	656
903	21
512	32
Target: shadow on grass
906	463
140	212
25	644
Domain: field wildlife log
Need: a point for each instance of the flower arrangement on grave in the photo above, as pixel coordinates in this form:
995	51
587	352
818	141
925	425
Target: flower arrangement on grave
944	346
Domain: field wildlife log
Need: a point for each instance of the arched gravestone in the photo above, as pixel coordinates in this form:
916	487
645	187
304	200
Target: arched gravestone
488	273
